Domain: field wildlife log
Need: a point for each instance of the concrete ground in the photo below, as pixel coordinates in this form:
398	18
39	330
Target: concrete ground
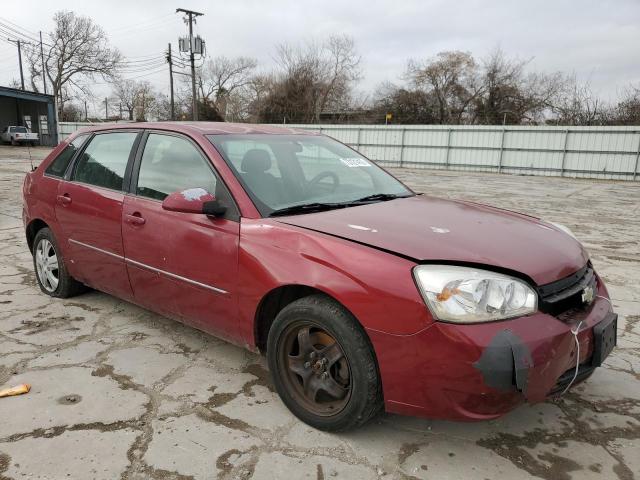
119	392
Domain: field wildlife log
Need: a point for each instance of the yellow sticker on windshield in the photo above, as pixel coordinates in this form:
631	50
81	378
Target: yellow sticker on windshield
355	162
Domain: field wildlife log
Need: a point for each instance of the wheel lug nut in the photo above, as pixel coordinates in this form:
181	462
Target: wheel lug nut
313	355
325	375
307	364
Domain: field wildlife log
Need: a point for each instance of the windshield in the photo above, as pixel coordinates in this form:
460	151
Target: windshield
284	171
18	130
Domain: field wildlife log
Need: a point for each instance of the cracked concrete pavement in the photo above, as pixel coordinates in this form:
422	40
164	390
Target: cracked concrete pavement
119	392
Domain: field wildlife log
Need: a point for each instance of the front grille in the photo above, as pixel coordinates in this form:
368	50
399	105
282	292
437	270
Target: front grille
566	294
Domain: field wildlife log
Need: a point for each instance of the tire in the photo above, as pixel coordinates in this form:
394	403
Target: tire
328	384
44	247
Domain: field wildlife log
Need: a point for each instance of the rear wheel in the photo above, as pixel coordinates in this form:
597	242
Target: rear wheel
323	366
51	272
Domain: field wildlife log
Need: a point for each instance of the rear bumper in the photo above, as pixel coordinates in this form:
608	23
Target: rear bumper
478	372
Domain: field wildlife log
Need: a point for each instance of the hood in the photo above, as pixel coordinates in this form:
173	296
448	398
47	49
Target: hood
432	229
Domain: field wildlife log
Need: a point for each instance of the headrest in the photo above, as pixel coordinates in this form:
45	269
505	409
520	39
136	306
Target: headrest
177	154
256	160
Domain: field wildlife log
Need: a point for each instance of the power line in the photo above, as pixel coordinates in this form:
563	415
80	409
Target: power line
137	30
136	26
18	26
17	32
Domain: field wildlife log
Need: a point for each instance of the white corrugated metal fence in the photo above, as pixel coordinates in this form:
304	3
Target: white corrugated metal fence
590	152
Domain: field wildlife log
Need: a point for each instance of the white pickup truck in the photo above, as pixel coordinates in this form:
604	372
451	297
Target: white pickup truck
18	135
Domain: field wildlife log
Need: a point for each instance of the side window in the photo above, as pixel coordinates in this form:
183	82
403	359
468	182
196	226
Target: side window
170	164
61	162
104	161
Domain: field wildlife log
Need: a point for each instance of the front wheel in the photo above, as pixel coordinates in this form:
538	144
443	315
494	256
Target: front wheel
323	366
51	272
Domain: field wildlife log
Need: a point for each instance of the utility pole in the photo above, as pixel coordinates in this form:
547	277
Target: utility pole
44	75
106	108
86	113
170	60
17	42
191	14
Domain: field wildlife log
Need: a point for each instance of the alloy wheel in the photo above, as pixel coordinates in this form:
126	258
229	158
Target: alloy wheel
47	265
316	369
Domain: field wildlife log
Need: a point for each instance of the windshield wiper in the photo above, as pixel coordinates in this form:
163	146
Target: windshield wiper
319	207
376	197
306	208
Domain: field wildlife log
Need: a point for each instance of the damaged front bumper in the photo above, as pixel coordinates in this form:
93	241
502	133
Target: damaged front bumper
507	361
482	371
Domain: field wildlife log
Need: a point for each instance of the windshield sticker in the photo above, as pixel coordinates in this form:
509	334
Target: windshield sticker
355	162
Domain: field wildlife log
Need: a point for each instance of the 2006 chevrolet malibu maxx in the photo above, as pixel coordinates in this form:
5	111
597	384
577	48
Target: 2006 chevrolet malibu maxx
363	294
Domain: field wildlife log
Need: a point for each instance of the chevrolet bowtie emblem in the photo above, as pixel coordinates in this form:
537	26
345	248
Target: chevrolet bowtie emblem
588	294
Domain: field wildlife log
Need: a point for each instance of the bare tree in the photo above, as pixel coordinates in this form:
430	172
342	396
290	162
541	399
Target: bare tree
578	105
310	80
126	92
343	65
222	80
145	101
452	78
76	49
407	105
72	112
15	83
627	111
509	93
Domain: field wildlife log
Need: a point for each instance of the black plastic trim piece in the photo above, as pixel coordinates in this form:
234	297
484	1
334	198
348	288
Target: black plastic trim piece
505	363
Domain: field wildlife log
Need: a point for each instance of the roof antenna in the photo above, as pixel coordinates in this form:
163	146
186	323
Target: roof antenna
33	169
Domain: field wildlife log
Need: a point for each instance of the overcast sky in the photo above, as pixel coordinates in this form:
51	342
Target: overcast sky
599	41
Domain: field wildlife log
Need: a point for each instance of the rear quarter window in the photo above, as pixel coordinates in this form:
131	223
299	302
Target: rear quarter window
59	166
104	160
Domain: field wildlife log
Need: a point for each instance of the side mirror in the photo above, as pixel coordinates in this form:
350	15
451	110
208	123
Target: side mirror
193	200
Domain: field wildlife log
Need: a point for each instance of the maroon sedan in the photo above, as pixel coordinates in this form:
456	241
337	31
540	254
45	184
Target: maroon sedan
363	294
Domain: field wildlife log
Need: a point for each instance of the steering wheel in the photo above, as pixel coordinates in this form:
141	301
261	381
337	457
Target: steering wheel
316	180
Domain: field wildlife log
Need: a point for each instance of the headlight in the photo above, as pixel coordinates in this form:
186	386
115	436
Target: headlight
468	295
564	228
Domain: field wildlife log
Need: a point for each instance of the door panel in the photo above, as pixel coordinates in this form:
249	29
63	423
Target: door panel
89	211
205	251
192	258
90	218
147	250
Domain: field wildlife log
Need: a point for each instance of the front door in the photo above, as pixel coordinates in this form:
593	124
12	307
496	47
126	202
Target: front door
89	211
181	262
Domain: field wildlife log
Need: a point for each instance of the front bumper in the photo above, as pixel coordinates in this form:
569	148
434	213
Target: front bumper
477	372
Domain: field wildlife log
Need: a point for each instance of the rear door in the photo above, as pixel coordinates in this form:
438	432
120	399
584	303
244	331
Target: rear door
182	262
89	211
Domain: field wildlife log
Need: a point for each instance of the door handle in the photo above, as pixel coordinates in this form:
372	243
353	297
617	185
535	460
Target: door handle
64	199
135	219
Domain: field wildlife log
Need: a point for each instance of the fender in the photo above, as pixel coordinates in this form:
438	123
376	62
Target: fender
272	255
